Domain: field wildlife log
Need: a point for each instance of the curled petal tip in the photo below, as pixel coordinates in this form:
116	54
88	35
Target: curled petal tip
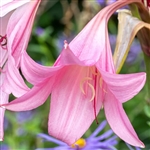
142	146
3	107
1	139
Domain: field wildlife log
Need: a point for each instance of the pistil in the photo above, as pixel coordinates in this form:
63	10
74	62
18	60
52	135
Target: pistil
3	42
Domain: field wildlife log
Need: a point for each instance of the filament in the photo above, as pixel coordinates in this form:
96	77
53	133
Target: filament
82	82
100	82
90	85
93	71
93	91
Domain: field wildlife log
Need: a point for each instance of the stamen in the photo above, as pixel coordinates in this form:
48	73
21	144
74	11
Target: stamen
79	143
82	82
93	91
93	71
3	41
104	91
90	85
101	82
145	2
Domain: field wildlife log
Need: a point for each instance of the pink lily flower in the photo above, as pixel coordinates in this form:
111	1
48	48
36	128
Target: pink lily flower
15	31
81	82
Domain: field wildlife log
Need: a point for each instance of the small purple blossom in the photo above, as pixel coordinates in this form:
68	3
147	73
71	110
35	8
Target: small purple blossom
131	148
135	49
94	142
104	3
39	31
24	116
4	147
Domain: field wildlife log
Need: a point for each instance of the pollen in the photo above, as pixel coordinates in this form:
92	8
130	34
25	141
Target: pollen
79	143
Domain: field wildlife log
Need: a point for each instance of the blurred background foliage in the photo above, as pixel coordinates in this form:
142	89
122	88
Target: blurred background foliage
56	21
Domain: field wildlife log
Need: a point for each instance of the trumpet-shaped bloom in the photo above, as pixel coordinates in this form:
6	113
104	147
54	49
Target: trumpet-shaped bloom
94	142
81	82
15	28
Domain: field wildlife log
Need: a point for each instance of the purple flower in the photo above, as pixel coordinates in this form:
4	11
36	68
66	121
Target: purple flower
131	148
39	31
134	52
105	3
4	147
24	116
93	142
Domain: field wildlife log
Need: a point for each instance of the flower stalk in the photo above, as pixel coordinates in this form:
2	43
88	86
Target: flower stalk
143	36
147	64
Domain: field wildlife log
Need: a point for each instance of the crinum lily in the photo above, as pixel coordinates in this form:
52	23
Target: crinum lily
15	29
81	82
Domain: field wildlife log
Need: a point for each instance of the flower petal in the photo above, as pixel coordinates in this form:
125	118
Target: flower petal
3	26
71	111
67	57
8	5
3	99
2	112
32	99
34	72
51	139
119	121
89	44
124	87
13	81
22	22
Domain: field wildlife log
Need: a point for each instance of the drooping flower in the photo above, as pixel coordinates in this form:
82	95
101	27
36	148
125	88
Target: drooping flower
15	23
81	82
95	141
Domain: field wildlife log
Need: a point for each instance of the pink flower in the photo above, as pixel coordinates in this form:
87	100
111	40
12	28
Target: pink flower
16	24
81	82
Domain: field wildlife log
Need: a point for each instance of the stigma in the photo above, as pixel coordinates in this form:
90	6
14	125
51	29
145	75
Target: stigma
3	42
79	143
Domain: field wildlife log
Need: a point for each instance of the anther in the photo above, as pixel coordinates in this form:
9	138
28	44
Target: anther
93	91
79	143
82	82
93	71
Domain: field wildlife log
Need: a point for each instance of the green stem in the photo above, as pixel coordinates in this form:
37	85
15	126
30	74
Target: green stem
147	64
144	36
